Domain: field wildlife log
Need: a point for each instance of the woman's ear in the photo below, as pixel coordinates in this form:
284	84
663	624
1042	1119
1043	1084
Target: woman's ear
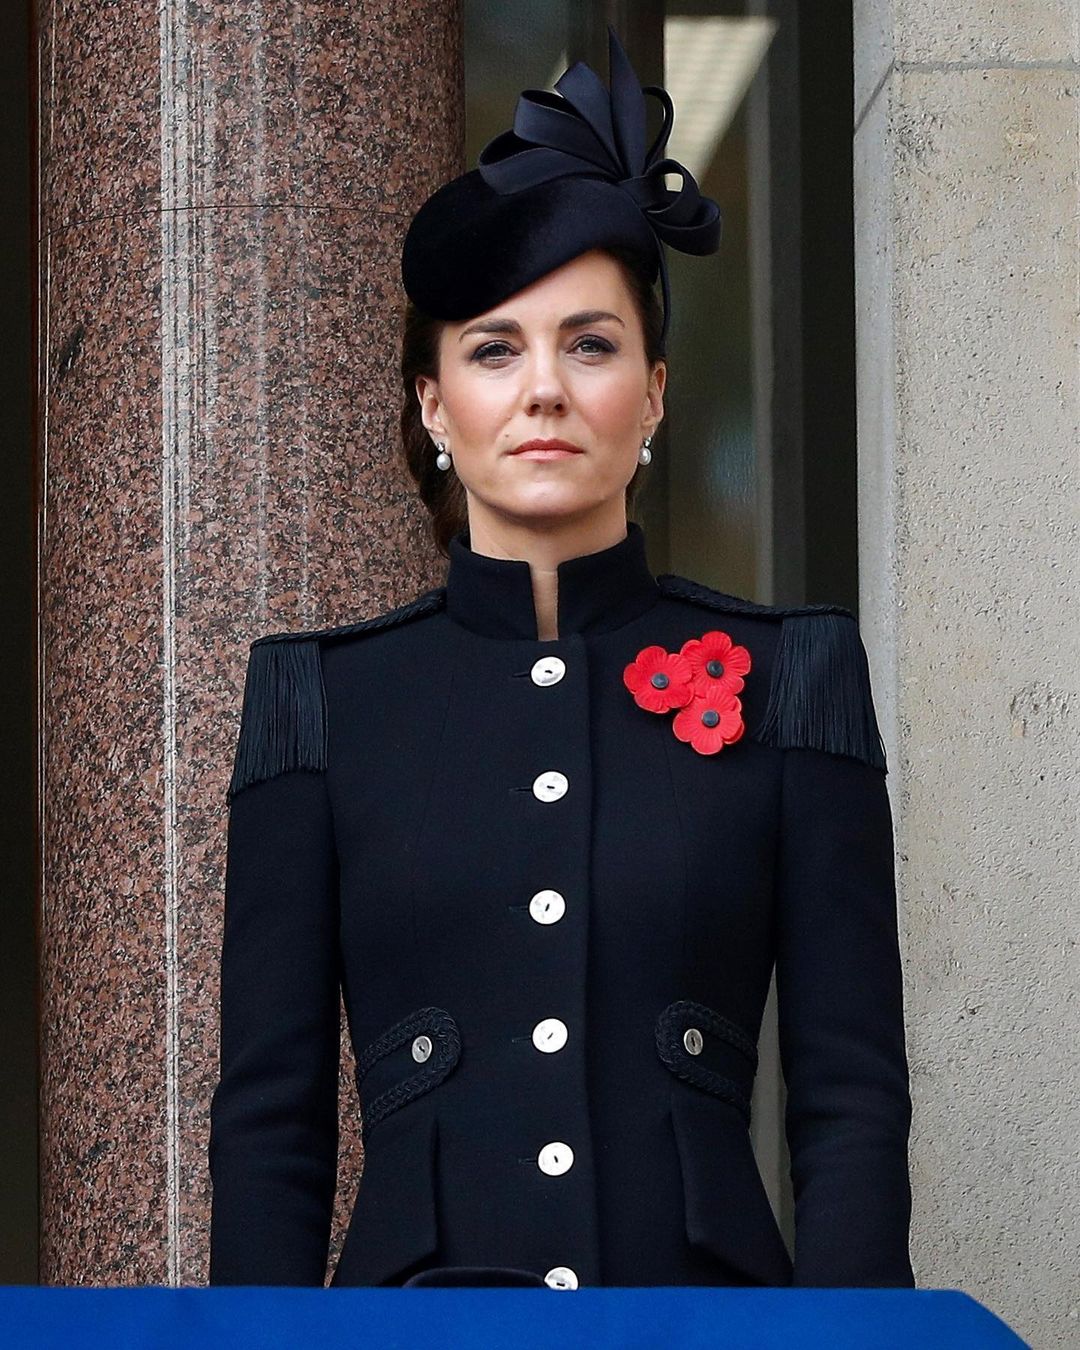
427	392
654	398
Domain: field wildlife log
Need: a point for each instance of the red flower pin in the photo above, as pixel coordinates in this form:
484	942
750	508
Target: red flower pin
716	662
701	681
710	721
659	680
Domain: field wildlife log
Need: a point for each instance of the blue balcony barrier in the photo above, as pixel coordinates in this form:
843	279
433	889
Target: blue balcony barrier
662	1318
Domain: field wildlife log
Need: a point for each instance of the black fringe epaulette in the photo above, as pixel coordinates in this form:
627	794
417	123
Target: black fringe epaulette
820	696
283	717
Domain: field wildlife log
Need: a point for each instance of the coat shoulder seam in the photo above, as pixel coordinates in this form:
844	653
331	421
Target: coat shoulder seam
430	602
683	588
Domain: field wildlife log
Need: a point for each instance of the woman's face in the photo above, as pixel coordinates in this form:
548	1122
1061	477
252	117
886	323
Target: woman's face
563	359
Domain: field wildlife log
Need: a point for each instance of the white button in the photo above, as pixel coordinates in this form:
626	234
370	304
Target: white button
556	1158
561	1277
421	1049
548	670
549	1035
547	907
693	1040
550	786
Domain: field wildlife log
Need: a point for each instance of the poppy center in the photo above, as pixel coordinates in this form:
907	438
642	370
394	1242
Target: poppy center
715	667
660	680
710	717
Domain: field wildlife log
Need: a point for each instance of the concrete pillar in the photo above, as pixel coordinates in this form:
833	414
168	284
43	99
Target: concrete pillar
966	155
224	188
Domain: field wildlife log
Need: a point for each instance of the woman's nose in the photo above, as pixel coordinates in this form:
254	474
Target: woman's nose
544	387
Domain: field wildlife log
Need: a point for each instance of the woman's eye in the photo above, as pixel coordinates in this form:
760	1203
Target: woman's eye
598	344
490	349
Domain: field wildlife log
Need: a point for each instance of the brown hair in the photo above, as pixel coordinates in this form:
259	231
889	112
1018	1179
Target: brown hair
442	492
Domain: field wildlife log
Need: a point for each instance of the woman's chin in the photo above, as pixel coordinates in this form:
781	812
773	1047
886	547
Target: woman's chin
548	507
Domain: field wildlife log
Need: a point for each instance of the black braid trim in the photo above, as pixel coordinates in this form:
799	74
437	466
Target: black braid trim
675	1019
445	1053
682	588
428	603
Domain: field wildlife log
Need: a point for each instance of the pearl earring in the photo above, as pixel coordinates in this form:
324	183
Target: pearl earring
645	454
442	459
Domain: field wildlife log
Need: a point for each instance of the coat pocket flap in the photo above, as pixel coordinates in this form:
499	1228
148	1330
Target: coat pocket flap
727	1208
722	1060
394	1221
410	1058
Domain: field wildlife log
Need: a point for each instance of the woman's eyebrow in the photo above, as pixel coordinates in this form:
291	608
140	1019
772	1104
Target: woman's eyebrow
578	320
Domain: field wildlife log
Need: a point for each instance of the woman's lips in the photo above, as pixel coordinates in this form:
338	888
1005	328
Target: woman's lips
547	450
546	454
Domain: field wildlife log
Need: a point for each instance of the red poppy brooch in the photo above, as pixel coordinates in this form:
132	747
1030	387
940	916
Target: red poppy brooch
701	681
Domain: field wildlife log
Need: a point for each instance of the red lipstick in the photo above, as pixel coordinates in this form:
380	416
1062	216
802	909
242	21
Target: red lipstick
547	449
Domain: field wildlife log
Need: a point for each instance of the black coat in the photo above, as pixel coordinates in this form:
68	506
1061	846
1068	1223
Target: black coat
555	1000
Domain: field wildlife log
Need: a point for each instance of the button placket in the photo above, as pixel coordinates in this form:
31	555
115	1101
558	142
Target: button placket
548	906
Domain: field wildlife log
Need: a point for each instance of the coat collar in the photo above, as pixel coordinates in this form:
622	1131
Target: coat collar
596	591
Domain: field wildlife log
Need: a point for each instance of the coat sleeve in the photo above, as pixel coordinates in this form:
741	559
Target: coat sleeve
839	979
273	1119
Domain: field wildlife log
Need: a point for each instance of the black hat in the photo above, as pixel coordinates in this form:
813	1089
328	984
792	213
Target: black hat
572	175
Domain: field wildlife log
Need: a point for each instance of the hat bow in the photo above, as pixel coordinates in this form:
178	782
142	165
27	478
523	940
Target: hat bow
583	129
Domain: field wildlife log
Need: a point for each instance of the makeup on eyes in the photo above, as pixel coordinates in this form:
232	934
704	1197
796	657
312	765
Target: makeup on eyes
605	344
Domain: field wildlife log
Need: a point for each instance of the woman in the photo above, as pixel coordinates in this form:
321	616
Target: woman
549	826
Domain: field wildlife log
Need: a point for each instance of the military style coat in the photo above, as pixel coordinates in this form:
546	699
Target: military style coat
553	923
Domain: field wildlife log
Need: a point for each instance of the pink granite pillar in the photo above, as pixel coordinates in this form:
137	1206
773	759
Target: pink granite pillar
224	188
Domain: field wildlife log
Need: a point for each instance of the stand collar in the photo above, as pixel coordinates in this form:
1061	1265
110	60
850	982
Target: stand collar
597	592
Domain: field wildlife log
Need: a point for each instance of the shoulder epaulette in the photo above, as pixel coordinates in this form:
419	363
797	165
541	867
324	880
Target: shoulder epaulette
820	695
283	717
